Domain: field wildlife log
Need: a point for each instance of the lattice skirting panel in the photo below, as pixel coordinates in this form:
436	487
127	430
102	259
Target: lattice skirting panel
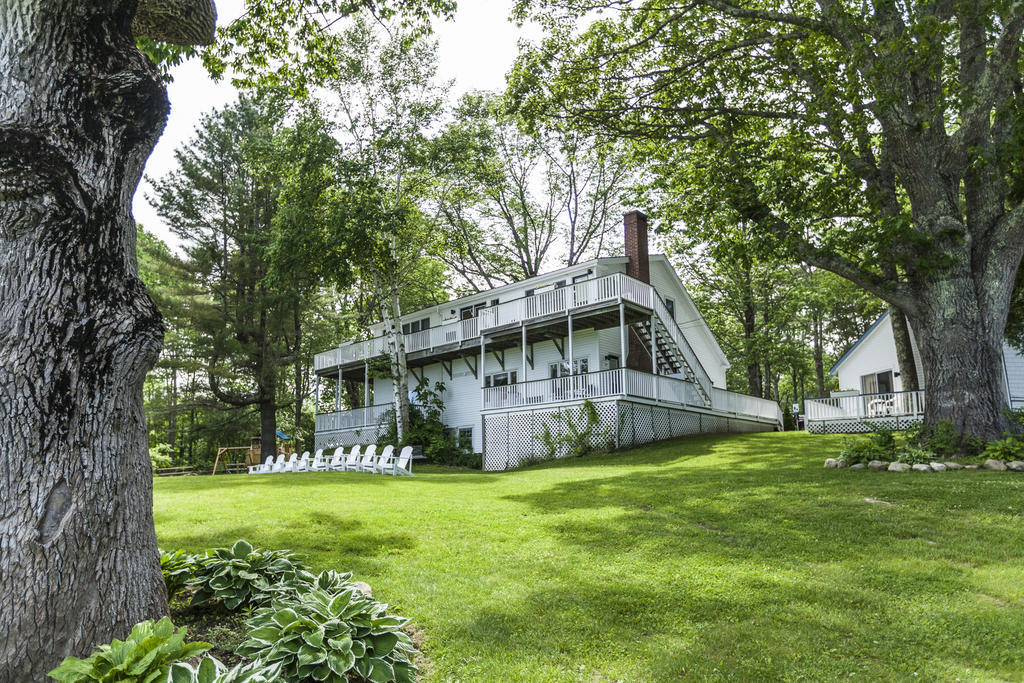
347	437
512	439
867	424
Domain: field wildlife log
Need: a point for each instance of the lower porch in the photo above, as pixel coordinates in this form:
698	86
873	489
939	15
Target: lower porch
856	413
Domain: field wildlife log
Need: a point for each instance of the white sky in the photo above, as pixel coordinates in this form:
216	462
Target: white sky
476	50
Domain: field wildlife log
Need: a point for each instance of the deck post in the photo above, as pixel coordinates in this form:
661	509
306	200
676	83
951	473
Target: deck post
338	392
622	334
654	358
483	361
572	369
316	398
522	326
366	385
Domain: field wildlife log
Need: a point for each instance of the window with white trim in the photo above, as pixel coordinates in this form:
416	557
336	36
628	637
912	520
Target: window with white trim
500	379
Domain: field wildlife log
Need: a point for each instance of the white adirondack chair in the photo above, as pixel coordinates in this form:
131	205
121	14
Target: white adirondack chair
404	464
369	457
351	463
303	464
318	464
338	460
385	460
279	463
264	468
293	460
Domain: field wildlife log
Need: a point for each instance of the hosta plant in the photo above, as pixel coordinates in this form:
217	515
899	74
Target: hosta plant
145	656
177	567
327	636
211	670
242	575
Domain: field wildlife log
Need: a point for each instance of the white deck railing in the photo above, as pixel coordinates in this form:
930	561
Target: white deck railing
553	302
351	419
606	383
865	406
741	404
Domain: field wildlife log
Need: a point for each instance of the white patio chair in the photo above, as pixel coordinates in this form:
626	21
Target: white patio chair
386	459
318	464
303	464
404	464
338	460
264	468
369	457
279	464
351	461
293	460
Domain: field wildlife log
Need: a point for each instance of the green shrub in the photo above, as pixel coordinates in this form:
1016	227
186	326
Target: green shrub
571	438
160	456
329	636
1007	448
861	449
145	656
427	429
943	439
211	670
177	568
912	454
242	574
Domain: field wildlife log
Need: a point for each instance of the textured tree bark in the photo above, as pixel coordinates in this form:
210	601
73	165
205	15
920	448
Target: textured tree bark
819	353
904	348
960	350
80	110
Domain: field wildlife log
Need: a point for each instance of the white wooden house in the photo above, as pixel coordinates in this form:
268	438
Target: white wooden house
871	386
621	332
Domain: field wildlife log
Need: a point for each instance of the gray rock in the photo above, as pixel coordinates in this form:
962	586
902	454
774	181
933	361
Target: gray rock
921	467
970	467
953	465
363	588
831	463
898	467
938	467
1016	466
877	465
995	465
859	466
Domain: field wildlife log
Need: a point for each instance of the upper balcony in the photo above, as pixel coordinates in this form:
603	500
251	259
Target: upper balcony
578	296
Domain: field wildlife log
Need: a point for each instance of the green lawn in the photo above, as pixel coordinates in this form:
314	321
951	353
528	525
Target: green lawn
715	557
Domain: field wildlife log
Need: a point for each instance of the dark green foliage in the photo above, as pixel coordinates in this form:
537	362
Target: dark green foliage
145	656
572	437
427	429
327	635
1008	448
177	567
243	575
944	440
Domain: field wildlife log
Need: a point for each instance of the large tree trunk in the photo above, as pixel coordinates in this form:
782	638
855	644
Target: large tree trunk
80	110
960	349
819	351
399	366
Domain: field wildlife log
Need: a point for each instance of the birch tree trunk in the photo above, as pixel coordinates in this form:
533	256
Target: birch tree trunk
399	365
80	110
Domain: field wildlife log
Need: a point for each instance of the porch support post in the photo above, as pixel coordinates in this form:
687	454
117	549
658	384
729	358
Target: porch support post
366	385
572	368
316	397
483	365
622	334
338	392
523	344
654	347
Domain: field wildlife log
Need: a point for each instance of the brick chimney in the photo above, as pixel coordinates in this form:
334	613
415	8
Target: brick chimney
639	267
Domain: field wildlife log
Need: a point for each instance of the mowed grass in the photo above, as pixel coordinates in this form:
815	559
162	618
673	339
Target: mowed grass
731	557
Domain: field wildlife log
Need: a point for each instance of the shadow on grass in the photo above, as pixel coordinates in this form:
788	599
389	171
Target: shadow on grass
320	534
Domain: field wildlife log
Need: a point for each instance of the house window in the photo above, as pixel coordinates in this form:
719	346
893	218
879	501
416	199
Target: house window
465	437
479	307
560	284
465	313
416	326
581	278
611	361
876	383
561	369
500	379
494	302
530	292
671	306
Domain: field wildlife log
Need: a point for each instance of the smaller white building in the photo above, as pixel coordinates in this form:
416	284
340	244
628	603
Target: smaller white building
871	385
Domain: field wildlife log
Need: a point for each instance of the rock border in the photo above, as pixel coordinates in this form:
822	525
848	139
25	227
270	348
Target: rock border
937	466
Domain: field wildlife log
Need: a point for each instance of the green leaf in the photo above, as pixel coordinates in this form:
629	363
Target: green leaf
285	616
180	673
241	550
381	671
384	644
340	662
309	655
